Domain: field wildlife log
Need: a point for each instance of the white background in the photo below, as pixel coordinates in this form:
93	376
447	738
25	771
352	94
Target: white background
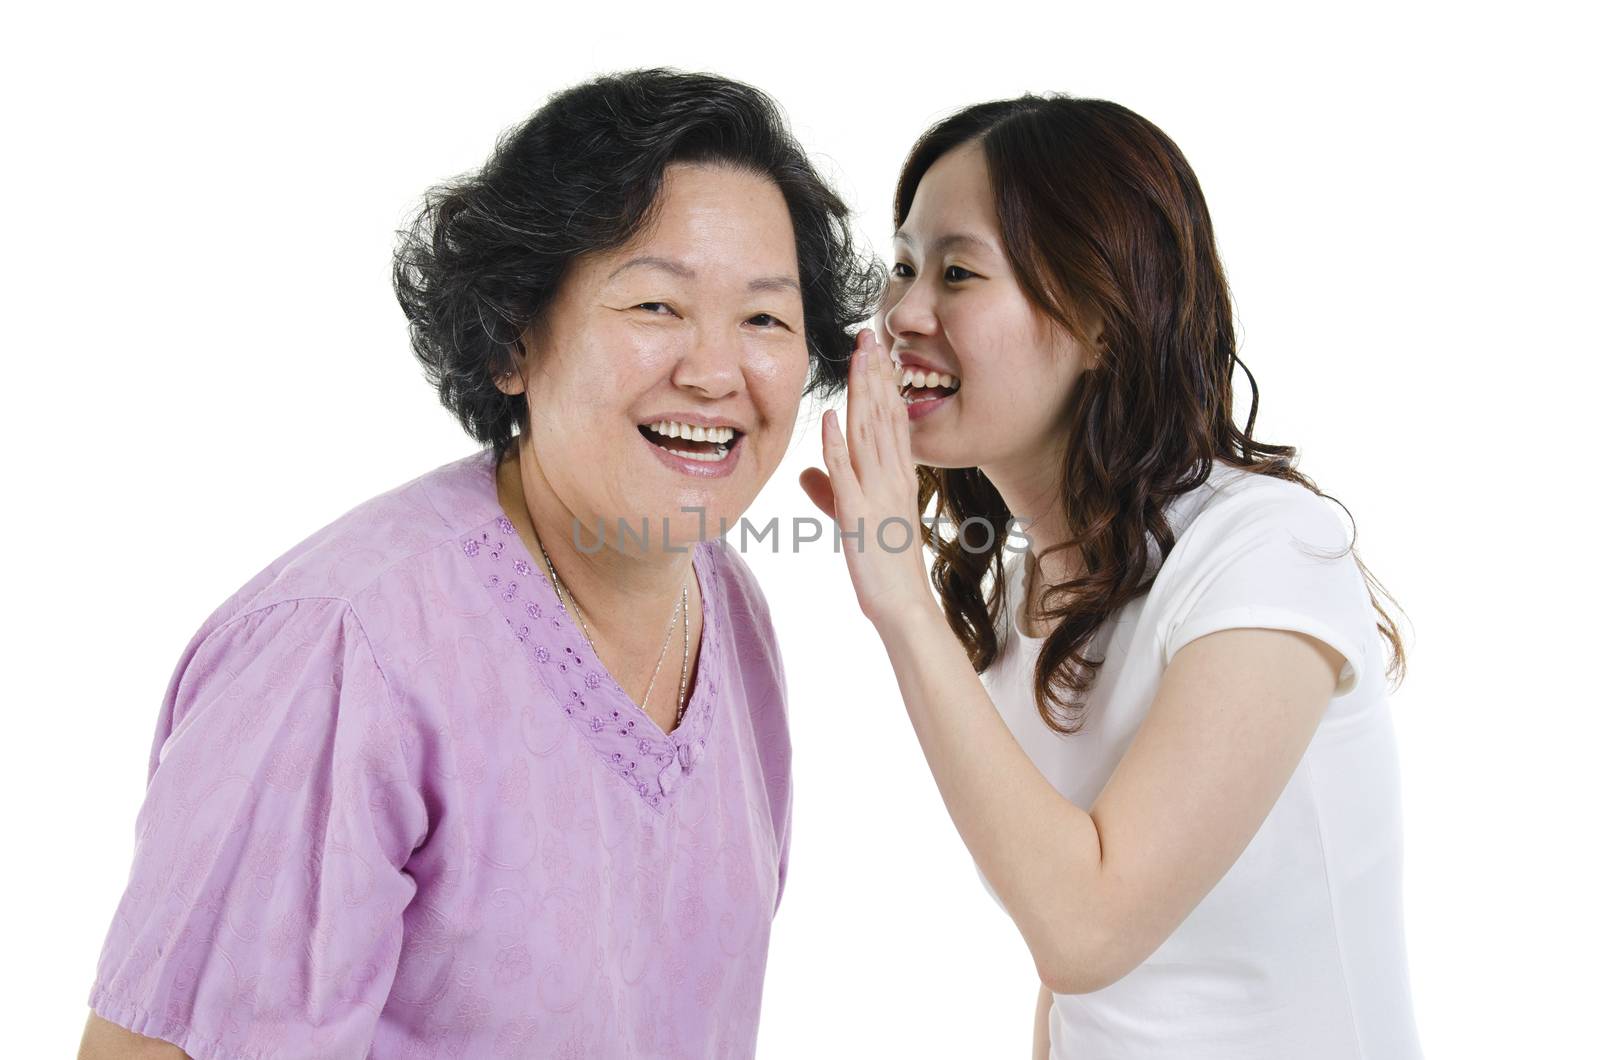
204	363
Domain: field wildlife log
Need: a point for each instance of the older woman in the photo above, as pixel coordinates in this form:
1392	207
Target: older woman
449	778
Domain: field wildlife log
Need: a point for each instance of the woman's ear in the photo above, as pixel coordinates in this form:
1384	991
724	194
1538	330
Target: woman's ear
1097	351
514	379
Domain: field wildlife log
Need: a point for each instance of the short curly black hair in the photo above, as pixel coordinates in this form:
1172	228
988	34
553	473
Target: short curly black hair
485	253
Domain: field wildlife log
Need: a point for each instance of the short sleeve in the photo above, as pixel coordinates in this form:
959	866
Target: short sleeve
1271	558
787	818
262	913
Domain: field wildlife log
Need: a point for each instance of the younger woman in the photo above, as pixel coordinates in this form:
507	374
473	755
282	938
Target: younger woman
1177	771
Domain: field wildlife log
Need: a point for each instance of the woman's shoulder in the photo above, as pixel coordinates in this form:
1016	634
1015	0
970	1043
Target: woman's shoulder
750	639
1234	501
393	535
740	589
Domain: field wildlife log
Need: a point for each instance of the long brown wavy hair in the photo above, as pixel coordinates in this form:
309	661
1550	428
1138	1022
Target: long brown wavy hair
1102	218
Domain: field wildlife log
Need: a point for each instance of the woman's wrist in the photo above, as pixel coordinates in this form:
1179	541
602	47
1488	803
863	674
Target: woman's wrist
915	618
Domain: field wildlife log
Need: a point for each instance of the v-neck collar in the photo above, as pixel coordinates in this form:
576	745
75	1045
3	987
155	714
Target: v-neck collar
655	764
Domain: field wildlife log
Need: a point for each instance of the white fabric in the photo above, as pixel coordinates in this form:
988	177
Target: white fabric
1299	950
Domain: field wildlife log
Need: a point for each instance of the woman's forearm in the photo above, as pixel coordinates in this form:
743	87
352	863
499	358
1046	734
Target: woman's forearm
1041	1023
1039	851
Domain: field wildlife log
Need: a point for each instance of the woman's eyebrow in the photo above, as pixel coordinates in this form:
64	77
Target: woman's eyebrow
776	283
678	268
948	240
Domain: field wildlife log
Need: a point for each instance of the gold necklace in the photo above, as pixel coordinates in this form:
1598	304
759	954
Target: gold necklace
683	674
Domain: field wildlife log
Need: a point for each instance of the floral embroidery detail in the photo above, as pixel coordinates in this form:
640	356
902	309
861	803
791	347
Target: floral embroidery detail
614	725
505	525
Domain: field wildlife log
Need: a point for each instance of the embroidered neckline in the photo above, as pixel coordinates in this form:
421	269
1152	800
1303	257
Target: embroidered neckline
630	743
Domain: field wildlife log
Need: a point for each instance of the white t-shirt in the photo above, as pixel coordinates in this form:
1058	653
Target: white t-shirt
1299	950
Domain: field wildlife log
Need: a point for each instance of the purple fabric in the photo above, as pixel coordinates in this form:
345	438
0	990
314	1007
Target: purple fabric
396	809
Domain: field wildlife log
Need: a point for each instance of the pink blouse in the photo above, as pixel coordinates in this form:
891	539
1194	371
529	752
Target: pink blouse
396	808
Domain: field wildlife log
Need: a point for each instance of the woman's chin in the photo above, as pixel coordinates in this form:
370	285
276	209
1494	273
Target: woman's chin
677	521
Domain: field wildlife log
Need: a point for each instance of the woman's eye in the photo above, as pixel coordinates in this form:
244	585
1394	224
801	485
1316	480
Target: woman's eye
952	272
654	307
766	320
896	272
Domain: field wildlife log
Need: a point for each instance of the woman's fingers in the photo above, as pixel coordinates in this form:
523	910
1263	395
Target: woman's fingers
858	403
841	475
867	437
819	488
899	415
892	445
874	396
873	484
889	448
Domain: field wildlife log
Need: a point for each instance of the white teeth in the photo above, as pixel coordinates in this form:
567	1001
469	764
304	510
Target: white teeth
922	377
671	429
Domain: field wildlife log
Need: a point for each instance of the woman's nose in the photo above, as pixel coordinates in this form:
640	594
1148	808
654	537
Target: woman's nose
912	313
711	365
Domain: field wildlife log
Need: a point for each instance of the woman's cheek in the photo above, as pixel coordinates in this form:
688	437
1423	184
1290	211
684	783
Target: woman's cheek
778	370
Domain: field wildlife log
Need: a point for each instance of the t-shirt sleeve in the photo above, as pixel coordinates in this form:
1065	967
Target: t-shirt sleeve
262	913
1277	561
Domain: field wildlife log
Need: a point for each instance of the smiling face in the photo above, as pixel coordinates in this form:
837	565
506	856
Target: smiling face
697	322
954	307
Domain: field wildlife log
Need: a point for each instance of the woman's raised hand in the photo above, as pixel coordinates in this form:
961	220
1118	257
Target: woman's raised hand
870	488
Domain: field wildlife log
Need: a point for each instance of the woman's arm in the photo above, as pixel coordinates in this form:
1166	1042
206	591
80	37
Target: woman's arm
104	1040
1041	1024
1094	891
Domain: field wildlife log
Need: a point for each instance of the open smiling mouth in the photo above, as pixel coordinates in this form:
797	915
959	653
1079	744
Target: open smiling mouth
706	444
918	385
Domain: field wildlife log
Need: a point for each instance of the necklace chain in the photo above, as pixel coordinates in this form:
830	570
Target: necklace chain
683	606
